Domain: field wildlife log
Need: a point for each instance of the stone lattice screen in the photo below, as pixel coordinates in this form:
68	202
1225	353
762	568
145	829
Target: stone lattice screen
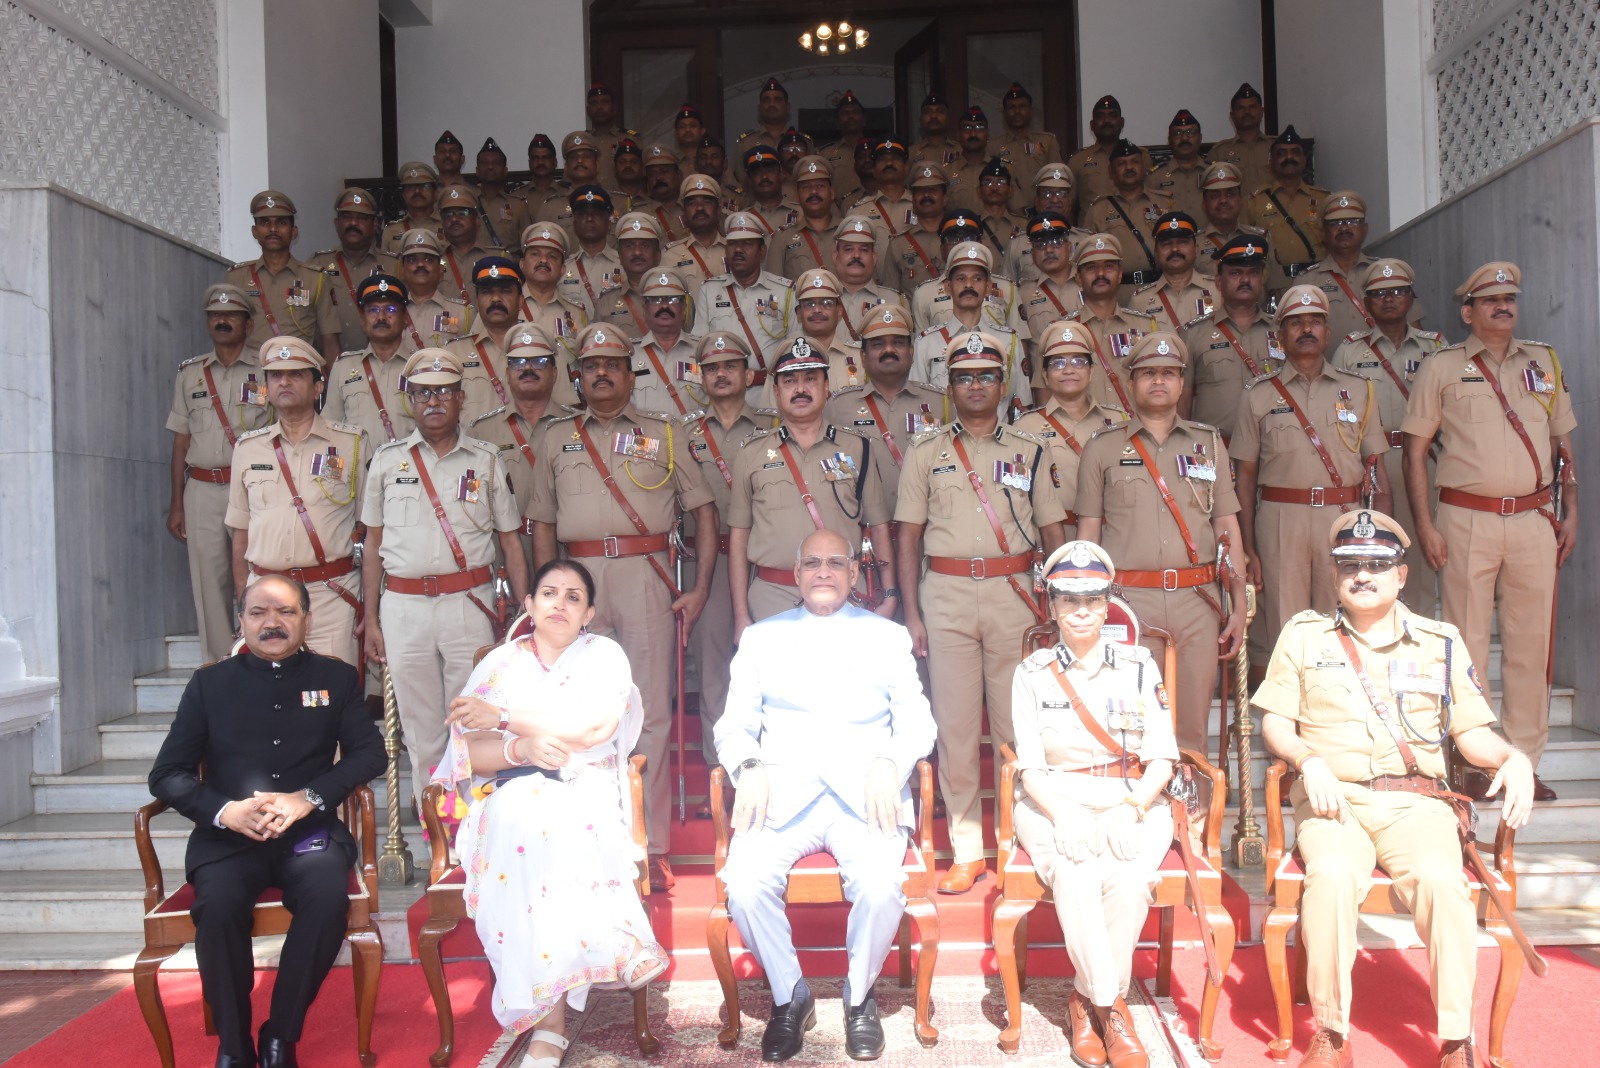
1508	76
117	100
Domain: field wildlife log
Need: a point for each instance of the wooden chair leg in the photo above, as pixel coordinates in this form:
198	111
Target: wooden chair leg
905	948
1020	940
1007	914
1164	954
649	1045
1505	989
147	986
1274	937
366	967
1224	934
722	961
927	917
1302	995
428	940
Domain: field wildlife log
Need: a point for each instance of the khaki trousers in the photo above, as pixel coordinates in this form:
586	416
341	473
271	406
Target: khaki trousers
430	643
1413	839
1194	626
767	599
210	546
975	629
1292	540
1505	563
711	645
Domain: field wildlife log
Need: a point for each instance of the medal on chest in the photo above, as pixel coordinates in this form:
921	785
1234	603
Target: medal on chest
1013	474
252	393
1123	715
852	372
1536	380
688	371
636	445
1122	344
447	323
1344	408
1409	676
918	421
1197	464
297	296
315	699
467	487
328	465
840	467
1275	353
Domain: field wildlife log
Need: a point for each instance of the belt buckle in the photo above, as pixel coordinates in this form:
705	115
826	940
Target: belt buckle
978	567
430	585
298	574
1317	500
217	475
1508	506
527	526
1169	579
609	548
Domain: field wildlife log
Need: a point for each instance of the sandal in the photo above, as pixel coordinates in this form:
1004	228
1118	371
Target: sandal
643	979
547	1061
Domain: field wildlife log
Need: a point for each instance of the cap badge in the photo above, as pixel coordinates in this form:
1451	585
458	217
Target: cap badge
1364	528
1066	335
223	298
975	344
1388	272
525	339
637	225
355	198
438	364
663	280
599	337
801	348
972	253
1249	249
888	316
1163	348
285	353
1305	298
383	287
721	344
269	202
494	272
1081	556
1099	243
1344	202
1499	276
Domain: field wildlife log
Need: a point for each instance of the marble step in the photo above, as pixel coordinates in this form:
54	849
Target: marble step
160	691
183	651
106	901
89	841
135	737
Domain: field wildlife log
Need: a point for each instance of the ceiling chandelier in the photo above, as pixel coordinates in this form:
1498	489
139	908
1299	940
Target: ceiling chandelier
834	39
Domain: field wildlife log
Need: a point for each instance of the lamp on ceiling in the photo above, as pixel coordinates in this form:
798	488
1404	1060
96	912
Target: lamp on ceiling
835	39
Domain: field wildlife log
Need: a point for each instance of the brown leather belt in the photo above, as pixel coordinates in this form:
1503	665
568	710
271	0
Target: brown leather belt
1397	438
527	526
1113	770
981	567
620	545
1173	578
777	576
321	573
722	544
436	585
1406	784
1497	505
216	475
1316	496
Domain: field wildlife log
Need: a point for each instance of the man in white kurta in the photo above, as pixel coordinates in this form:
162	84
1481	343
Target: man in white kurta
822	761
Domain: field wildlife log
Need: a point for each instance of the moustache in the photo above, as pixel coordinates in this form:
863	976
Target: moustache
969	292
272	633
434	409
382	323
800	397
1363	587
527	373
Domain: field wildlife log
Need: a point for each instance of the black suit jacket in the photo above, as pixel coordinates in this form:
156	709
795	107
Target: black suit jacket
259	725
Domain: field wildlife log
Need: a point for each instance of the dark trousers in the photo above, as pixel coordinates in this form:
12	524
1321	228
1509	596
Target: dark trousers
315	891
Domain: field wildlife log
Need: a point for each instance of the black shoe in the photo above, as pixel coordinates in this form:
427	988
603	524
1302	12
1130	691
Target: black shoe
228	1060
273	1050
786	1030
863	1034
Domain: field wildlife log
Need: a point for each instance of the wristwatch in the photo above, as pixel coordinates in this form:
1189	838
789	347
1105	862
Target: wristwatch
505	720
313	797
743	767
891	592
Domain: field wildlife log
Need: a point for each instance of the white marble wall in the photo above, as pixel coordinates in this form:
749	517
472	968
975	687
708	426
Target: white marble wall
98	312
1542	213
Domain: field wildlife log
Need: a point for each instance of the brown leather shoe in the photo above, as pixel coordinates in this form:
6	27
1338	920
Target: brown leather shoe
1542	791
661	879
961	876
1457	1054
1328	1049
1123	1048
1087	1049
702	811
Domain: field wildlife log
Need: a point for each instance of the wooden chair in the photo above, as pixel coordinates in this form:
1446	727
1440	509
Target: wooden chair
447	907
816	880
1021	888
1286	879
168	925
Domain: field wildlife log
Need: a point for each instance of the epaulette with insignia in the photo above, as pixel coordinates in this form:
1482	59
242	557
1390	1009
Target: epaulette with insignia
748	133
326	252
757	434
1263	377
1352	374
348	428
767	411
1530	341
1357	335
1072	316
351	352
1104	430
1039	659
1308	615
1148	285
1431	335
486	416
456	300
848	389
194	359
1192	422
242	265
259	431
929	434
660	417
396	444
563	417
849	430
1198	319
1025	435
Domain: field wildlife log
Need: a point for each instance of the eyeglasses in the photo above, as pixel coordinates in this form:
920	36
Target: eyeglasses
663	300
457	213
1050	241
820	302
1075	601
524	361
1342	224
1392	293
832	563
1061	363
1351	568
982	378
386	309
428	393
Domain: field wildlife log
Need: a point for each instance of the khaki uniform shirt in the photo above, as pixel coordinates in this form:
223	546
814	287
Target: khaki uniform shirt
349	396
563	320
194	414
556	210
910	259
532	199
931	307
344	273
393	234
758	136
857	306
1044	302
1113	681
765	317
1019	265
1480	453
1048	423
890	217
1253	158
458	266
1346	316
587	277
1115	486
766	498
436	321
1026	152
1212	240
1115	338
1372	355
624	309
1303	205
790	254
414	544
261	504
1343	407
1182	184
296	301
502	218
1310	681
1181	306
1216	372
569	491
928	365
708	430
845	366
1142	211
516	462
943	151
841	157
696	262
915	409
673	393
962	191
936	492
775	217
483	374
1091	169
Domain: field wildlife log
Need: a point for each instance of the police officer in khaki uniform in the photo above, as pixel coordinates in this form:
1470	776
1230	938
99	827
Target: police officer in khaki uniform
1390	355
1362	799
1026	148
1290	211
1494	540
1070	415
966	169
1114	328
448	157
458	207
435	320
699	255
294	498
1181	294
998	221
933	119
364	385
915	255
804	244
1310	436
355	217
1129	212
1052	192
975	508
290	298
1180	176
498	284
773	120
504	216
798	477
1222	207
605	128
888	407
820	318
1091	165
629	192
664	368
855	263
890	206
968	286
1052	293
419	188
609	484
639	251
592	267
663	177
216	397
546	300
542	182
688	127
765	177
1166	547
850	119
580	155
1339	274
932	300
1235	343
435	506
1248	150
755	303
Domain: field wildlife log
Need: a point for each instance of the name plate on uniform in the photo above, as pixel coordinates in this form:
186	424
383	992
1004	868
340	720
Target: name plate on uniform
1115	632
1412	677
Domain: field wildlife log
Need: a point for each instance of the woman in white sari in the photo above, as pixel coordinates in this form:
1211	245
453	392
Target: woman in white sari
539	741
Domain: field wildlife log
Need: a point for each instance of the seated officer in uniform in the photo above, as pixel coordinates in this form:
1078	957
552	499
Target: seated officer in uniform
1361	704
822	760
284	736
1095	750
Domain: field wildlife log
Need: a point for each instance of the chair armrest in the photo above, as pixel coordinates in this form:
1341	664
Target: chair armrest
924	773
439	863
1505	844
361	816
719	824
1280	776
1218	805
155	887
636	765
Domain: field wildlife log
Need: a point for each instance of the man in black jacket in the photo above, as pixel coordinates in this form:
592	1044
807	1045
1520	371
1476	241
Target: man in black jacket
268	725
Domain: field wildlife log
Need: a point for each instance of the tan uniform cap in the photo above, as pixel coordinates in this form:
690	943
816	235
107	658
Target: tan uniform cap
1344	204
529	336
926	173
547	235
417	173
815	284
1066	338
603	339
969	254
1491	279
269	203
699	185
742	225
420	240
1302	300
662	282
720	346
638	225
977	349
357	200
285	353
578	141
1366	533
1053	176
458	196
811	168
1097	247
856	228
1387	274
1221	176
433	367
1160	349
657	154
223	297
886	320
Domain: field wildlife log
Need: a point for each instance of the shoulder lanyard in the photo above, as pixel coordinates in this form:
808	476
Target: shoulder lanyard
883	213
488	366
1360	307
1511	417
377	396
266	305
216	406
661	216
1044	287
1066	434
583	276
744	324
655	362
299	502
800	484
522	439
1172	313
1311	431
1226	330
1389	367
994	524
622	502
1098	732
349	284
927	264
716	453
1116	383
450	257
438	509
883	424
1166	495
1138	234
638	319
1379	706
1311	249
705	268
816	253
